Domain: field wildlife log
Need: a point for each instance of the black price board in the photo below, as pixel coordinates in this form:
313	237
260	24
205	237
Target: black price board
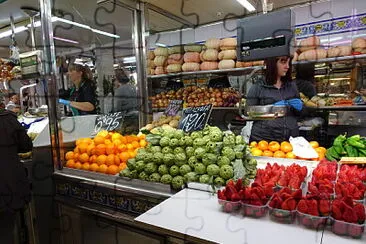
173	107
195	118
109	122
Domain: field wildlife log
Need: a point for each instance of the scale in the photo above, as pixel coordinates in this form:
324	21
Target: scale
31	64
275	38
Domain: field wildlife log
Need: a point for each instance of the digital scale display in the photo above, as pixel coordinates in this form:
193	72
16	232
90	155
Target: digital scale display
30	64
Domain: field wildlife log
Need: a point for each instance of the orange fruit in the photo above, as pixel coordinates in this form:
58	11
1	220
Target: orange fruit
93	159
267	153
101	159
77	165
98	140
76	156
321	155
94	167
78	141
322	150
135	144
262	145
286	147
110	149
109	160
90	150
86	140
83	147
124	156
69	155
121	148
132	154
257	152
129	146
107	141
123	140
76	150
314	144
85	166
141	136
122	166
290	155
253	144
279	154
100	149
84	157
117	142
112	169
70	163
274	146
143	143
103	168
116	136
104	133
117	161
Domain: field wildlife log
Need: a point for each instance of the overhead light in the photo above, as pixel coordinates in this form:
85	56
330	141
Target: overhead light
246	4
65	40
345	78
129	60
105	33
160	44
9	32
332	39
115	65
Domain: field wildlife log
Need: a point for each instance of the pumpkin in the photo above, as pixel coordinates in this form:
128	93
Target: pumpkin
173	68
150	55
226	64
359	44
258	63
296	56
314	54
309	43
209	55
160	60
243	64
209	65
175	49
345	50
334	52
228	43
227	54
190	67
161	51
175	59
213	43
192	48
160	70
150	63
192	57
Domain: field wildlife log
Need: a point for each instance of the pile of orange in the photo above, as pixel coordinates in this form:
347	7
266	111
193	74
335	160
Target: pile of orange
281	150
107	152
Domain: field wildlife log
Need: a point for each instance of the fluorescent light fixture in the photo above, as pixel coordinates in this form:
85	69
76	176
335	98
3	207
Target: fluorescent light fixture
115	65
246	4
160	44
332	39
65	40
104	33
345	78
128	60
9	32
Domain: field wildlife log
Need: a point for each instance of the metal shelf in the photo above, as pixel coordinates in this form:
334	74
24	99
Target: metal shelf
336	59
344	108
213	108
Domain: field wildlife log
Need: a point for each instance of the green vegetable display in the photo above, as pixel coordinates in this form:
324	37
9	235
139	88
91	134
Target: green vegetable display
354	146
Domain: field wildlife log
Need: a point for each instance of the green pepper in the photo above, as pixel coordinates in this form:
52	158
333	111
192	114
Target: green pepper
355	143
333	153
339	149
339	140
328	156
361	152
355	137
351	151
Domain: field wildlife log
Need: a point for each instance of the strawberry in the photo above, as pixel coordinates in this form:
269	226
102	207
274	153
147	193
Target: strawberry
291	203
324	207
297	194
302	206
359	209
220	195
235	197
268	191
294	182
284	205
239	185
336	212
283	181
285	195
313	207
348	200
349	215
312	188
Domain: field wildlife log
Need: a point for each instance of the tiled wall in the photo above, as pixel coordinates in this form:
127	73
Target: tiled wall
305	16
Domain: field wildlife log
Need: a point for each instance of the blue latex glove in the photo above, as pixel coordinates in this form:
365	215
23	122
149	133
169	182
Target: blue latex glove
281	103
296	103
64	102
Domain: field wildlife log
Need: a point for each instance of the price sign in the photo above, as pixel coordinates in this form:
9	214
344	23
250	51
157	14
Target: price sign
195	118
109	122
173	107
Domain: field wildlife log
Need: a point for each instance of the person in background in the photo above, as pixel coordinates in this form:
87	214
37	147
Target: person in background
14	185
278	89
125	94
305	79
13	104
82	97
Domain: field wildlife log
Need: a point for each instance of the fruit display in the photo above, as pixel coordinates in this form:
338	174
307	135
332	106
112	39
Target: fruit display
198	96
318	101
281	150
107	152
323	179
313	211
209	156
354	146
350	182
163	120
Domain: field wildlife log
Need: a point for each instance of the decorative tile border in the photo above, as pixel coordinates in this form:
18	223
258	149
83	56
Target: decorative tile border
332	26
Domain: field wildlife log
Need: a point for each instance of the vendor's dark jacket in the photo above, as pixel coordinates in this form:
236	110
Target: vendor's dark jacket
14	185
279	129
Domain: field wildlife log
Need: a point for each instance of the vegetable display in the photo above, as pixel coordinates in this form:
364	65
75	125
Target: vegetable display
353	146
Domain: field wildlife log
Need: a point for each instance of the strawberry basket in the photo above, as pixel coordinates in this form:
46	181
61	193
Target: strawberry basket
254	211
282	216
310	221
347	229
229	206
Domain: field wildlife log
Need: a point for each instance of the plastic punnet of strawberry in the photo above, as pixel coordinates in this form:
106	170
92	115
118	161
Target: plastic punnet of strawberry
282	206
229	197
313	211
293	177
356	189
255	199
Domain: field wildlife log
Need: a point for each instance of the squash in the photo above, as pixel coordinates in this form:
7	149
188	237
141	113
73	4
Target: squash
359	44
174	68
161	51
314	54
150	63
213	43
192	48
228	44
295	57
150	55
175	59
243	64
334	52
192	57
209	55
226	64
309	43
209	65
345	50
258	63
160	60
190	67
227	54
160	70
175	49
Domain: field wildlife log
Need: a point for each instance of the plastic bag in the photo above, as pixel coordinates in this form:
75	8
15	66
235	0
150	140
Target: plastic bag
302	148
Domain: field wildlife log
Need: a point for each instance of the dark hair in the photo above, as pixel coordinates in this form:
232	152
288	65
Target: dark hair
271	71
12	94
121	76
305	71
84	69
